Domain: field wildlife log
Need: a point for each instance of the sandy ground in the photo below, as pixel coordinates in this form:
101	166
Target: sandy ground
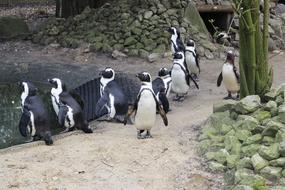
112	157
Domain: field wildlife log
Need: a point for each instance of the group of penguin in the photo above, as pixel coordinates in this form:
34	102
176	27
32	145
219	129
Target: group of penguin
152	97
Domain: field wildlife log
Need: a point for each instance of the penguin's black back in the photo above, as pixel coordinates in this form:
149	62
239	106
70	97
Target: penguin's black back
67	99
121	102
157	85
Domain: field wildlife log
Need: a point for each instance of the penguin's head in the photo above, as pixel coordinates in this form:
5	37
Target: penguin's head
28	88
144	77
230	57
178	55
57	84
190	43
163	72
108	73
174	32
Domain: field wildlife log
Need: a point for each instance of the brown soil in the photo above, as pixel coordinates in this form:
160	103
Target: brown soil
112	157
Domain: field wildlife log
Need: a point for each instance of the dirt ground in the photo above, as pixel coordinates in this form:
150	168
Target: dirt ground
112	157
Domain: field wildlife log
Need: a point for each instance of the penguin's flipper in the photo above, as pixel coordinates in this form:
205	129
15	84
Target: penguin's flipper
62	112
219	81
24	122
197	86
236	74
77	97
197	58
157	85
102	108
164	101
163	115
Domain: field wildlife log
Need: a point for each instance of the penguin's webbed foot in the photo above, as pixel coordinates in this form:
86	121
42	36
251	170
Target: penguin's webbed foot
229	96
139	134
87	129
148	135
65	130
195	77
179	98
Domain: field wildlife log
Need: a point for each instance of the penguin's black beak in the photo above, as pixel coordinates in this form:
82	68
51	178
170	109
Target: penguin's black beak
100	73
169	30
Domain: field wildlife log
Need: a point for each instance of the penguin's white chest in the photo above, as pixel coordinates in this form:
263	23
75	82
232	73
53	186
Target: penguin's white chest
179	84
146	111
54	104
229	78
167	84
69	120
191	63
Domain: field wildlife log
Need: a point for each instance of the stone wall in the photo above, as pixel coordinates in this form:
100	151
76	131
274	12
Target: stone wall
134	27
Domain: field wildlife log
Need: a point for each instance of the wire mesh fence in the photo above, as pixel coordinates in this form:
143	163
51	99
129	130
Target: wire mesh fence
13	3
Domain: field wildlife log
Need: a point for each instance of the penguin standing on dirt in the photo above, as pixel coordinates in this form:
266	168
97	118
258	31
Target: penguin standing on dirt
69	112
192	59
180	77
113	103
176	42
34	119
230	76
162	86
145	108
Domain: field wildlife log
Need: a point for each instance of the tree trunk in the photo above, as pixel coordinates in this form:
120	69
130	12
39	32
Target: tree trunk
255	78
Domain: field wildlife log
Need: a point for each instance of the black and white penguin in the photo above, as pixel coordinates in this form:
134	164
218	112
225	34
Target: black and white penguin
145	107
176	42
192	59
113	103
162	86
35	119
180	77
69	112
230	76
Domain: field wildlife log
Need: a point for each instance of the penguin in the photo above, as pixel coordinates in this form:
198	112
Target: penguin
180	77
176	42
223	37
113	103
145	107
69	111
161	87
192	59
34	119
230	76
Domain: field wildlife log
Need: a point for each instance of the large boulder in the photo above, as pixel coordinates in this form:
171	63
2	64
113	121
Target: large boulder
269	152
224	105
258	162
271	173
13	27
281	113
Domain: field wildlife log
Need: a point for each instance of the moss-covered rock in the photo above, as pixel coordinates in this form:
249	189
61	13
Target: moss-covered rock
248	104
216	167
250	150
281	113
261	115
269	152
244	163
271	173
258	162
281	148
224	105
280	162
253	139
219	156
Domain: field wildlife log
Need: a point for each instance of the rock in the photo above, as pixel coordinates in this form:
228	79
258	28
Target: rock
242	187
130	41
253	139
54	31
232	144
216	167
117	54
201	51
258	162
243	134
281	113
54	45
153	57
261	115
204	146
281	90
209	54
96	47
267	140
283	173
244	163
224	105
143	53
280	162
272	107
271	44
232	160
271	173
277	188
271	95
219	156
281	148
248	104
279	100
250	150
160	49
272	127
247	122
225	129
13	27
148	14
269	152
279	9
246	177
280	136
